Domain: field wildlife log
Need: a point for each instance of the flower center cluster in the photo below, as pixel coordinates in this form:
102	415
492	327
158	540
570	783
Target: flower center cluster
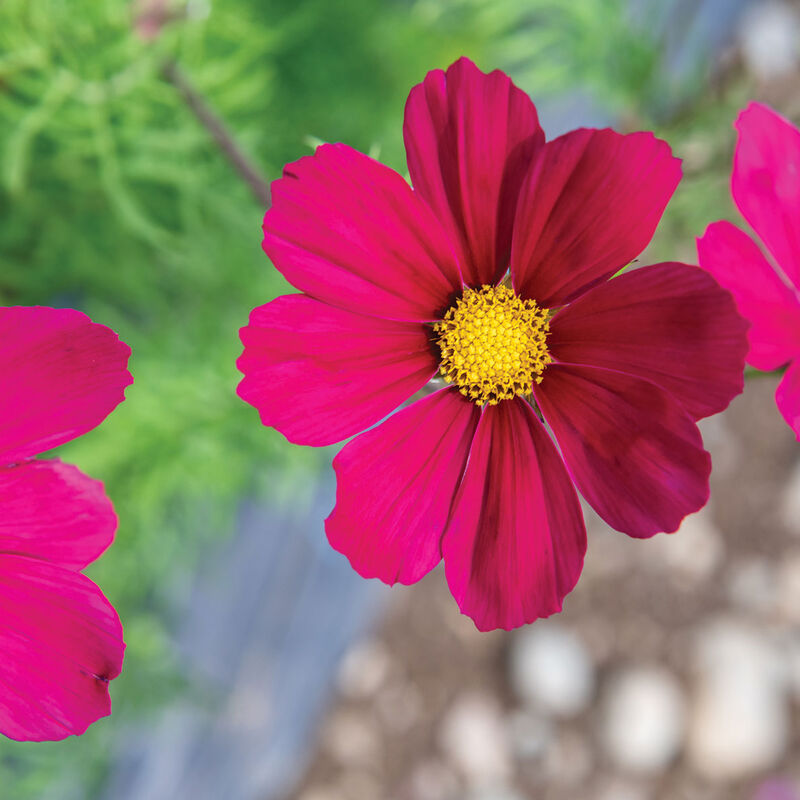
493	344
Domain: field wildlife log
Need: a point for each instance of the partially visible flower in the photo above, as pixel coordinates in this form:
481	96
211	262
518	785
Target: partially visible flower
777	789
493	272
766	189
60	639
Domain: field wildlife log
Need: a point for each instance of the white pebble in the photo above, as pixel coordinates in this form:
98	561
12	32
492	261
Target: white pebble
769	39
363	669
475	739
790	505
643	719
739	721
693	552
788	579
551	670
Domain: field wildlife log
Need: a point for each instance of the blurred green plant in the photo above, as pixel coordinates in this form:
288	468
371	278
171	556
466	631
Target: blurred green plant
116	200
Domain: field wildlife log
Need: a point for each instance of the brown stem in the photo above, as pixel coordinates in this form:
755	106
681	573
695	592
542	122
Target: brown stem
219	132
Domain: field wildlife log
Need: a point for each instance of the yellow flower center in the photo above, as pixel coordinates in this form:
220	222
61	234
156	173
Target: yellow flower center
493	344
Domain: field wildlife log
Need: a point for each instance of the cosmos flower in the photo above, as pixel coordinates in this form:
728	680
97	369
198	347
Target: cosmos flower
60	639
492	272
766	189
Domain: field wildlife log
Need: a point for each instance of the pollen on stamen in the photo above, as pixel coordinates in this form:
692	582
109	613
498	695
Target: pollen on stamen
493	344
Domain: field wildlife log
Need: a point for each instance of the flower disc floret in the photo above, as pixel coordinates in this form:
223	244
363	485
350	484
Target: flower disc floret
493	344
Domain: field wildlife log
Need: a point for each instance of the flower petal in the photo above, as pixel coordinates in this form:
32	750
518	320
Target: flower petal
61	642
351	232
771	307
590	204
469	140
395	485
319	374
670	323
633	452
787	397
766	183
515	543
54	512
60	376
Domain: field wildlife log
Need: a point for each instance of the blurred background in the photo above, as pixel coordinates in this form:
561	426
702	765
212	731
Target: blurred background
137	140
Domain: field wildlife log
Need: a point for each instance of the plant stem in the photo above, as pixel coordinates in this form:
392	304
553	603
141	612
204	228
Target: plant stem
219	132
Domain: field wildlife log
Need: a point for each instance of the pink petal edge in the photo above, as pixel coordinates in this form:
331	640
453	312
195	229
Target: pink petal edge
52	511
516	540
60	376
470	138
633	452
61	642
787	397
770	305
589	205
765	183
395	486
351	232
320	374
671	324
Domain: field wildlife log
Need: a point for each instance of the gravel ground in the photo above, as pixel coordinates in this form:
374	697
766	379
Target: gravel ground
673	672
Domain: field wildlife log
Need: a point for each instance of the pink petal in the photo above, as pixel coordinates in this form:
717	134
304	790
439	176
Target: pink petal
54	512
670	323
319	374
351	232
516	540
766	182
395	485
762	297
633	452
787	397
590	204
60	376
61	642
469	139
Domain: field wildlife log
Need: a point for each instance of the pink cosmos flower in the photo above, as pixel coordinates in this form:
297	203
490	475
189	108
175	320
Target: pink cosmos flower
60	639
492	271
766	189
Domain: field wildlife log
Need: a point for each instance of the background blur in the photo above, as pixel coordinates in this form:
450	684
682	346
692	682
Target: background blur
258	665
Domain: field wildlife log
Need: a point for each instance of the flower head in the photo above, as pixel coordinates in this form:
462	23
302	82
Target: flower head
492	272
766	189
60	639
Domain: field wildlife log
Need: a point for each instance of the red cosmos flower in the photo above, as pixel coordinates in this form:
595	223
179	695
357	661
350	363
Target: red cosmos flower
60	639
493	272
766	189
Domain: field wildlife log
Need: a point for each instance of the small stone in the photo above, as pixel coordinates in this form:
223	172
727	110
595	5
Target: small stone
793	667
643	719
739	723
351	739
788	587
400	706
321	794
790	506
617	789
475	739
751	586
693	552
529	735
769	39
499	792
355	785
551	670
569	759
363	670
432	780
